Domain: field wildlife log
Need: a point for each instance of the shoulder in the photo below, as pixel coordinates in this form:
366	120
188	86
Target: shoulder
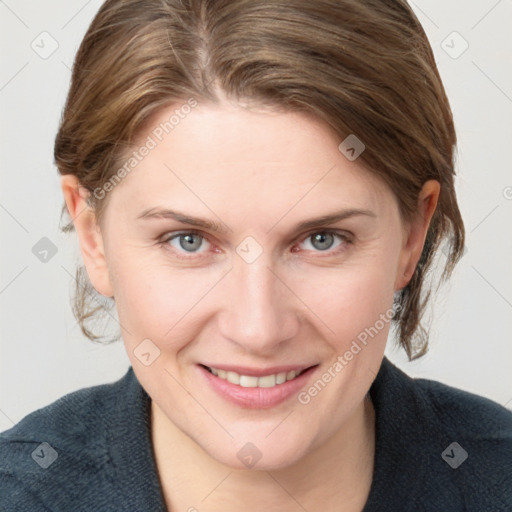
43	453
477	444
469	414
459	444
446	407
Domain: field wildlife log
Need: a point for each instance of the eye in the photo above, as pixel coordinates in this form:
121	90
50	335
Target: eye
323	241
188	242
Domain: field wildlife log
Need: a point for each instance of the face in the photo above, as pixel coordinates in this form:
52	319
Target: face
250	289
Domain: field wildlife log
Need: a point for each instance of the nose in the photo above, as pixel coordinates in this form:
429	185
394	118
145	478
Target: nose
259	312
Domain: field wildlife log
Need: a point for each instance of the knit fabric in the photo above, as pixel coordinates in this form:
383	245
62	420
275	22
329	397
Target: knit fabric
437	449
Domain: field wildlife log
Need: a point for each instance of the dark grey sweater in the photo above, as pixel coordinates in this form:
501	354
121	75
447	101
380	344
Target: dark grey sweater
438	449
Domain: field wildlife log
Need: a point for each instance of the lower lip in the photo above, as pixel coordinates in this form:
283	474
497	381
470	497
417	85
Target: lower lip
256	398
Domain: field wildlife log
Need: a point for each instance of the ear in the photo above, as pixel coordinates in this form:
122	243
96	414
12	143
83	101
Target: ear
89	233
416	233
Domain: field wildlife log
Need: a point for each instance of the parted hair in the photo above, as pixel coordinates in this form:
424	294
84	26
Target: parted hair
365	67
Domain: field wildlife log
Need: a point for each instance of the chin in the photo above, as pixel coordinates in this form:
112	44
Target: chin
262	455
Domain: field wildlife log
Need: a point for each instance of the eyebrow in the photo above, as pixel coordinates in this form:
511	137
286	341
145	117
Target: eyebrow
165	213
327	219
332	218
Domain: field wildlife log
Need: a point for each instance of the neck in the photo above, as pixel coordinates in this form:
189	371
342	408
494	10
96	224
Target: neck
335	476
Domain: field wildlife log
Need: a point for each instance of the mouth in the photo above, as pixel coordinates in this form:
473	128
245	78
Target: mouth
256	389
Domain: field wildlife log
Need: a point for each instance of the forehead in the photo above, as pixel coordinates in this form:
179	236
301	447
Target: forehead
252	160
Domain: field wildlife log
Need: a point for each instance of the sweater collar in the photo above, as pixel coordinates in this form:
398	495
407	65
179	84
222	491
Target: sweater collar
400	453
131	449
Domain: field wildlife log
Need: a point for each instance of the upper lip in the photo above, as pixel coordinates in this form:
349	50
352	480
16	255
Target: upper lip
260	372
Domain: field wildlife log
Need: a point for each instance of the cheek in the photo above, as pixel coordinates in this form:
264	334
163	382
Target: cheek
351	299
155	301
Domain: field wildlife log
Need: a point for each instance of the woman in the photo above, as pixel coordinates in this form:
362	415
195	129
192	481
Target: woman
260	188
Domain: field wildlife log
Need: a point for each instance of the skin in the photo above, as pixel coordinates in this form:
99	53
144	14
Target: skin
258	173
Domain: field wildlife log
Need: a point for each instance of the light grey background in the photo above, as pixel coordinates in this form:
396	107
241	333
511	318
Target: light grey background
43	353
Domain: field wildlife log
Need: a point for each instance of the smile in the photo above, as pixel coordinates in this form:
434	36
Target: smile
251	381
256	389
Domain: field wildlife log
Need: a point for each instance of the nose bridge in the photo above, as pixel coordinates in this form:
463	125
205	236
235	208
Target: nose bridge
258	311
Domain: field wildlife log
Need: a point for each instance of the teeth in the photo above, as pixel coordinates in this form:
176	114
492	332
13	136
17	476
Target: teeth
233	377
281	378
248	381
269	381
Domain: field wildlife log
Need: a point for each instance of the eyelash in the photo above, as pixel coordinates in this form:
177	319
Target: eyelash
345	238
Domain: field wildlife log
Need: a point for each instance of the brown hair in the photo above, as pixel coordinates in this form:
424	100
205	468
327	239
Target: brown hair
363	66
